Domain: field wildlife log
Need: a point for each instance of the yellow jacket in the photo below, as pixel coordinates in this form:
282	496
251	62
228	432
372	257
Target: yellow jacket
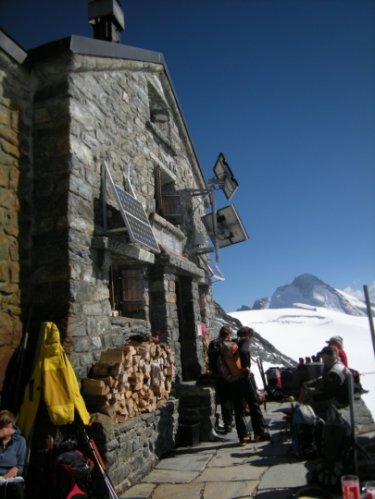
53	379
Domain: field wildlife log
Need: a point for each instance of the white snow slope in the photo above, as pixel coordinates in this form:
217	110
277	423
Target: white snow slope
303	331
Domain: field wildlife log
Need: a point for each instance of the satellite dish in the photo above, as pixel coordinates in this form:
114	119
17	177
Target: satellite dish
225	177
225	227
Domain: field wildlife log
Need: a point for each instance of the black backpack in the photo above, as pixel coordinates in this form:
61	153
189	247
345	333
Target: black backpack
306	429
337	452
213	355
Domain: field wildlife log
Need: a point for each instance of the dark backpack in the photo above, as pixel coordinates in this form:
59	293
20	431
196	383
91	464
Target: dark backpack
213	355
337	453
306	429
71	470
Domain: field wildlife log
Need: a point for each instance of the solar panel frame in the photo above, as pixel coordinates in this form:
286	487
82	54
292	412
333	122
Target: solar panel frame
134	216
229	230
216	274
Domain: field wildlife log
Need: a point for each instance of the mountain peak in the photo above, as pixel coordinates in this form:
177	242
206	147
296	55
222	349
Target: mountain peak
309	290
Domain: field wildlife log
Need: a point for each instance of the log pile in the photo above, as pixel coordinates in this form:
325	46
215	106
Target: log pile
128	381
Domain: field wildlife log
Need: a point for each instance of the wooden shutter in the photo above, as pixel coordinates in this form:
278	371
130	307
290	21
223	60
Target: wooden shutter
132	292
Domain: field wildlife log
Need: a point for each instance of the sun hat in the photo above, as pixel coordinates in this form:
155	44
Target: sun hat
336	339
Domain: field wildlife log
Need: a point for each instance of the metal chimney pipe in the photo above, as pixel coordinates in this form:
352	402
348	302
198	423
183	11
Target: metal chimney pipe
107	19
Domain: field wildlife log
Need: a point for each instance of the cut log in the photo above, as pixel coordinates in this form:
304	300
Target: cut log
95	387
130	380
112	355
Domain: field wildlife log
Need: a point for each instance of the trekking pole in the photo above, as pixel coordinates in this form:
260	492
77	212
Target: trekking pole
261	371
98	461
12	393
264	380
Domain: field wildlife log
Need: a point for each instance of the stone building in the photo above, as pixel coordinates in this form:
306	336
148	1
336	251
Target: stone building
101	205
69	108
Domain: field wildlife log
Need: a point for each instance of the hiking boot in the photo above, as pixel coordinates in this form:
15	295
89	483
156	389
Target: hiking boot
262	437
244	441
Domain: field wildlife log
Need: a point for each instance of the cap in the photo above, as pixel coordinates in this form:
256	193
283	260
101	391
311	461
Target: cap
329	351
336	339
245	331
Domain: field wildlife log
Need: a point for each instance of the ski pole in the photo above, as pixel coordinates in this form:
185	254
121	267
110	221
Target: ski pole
98	461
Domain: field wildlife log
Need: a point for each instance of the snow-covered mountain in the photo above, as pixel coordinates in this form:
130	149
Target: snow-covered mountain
307	289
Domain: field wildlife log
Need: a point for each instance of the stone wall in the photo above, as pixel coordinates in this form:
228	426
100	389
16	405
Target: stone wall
88	110
133	448
15	154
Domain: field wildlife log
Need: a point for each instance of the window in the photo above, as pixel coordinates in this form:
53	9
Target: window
167	199
159	114
127	290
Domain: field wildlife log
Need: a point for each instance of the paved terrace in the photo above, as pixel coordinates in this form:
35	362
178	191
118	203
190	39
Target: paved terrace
221	469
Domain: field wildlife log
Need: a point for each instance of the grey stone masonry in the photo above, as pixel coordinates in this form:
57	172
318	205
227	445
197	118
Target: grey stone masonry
133	448
15	194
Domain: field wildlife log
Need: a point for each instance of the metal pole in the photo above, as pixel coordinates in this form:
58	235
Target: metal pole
214	222
369	313
352	418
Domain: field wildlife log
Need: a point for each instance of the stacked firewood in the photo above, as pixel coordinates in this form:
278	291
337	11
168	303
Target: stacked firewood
130	380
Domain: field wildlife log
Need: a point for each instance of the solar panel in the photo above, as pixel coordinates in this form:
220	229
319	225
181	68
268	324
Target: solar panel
135	218
216	274
224	174
133	214
229	228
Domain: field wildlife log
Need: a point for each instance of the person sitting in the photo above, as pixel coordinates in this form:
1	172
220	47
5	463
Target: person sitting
13	454
329	389
338	342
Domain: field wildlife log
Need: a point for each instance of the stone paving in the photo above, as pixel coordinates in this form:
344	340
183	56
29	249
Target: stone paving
221	469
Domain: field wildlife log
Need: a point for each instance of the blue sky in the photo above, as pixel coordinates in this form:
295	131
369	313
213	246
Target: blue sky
285	89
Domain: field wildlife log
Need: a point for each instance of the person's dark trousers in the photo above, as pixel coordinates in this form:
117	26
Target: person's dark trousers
12	491
224	397
244	390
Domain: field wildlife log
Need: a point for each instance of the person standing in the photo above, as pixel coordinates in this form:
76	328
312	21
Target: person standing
12	457
246	389
234	363
223	389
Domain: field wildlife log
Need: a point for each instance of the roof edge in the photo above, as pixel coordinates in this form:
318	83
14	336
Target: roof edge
11	47
100	48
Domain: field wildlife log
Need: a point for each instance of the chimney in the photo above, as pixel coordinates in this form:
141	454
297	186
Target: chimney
107	19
